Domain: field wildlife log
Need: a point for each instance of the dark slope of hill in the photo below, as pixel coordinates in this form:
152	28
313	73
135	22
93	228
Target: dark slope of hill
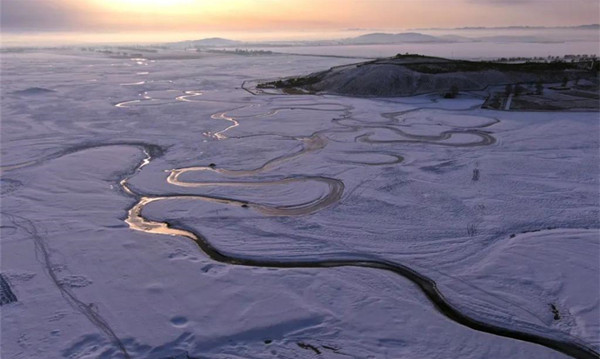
407	75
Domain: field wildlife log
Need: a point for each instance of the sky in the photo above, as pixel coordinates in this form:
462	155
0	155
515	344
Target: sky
254	16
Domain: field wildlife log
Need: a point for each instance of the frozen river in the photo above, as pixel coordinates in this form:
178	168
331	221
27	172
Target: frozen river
156	208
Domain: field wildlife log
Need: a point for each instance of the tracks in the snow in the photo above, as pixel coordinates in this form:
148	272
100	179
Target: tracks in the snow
335	187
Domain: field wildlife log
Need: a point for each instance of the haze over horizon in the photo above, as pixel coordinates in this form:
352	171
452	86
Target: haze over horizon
173	20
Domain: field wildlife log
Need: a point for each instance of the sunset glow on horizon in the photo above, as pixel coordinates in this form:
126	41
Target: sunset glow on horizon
282	16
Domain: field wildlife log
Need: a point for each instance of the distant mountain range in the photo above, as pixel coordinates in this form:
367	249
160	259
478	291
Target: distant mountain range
374	38
418	38
208	42
384	38
578	27
394	38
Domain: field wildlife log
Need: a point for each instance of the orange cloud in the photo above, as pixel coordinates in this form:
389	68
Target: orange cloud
288	15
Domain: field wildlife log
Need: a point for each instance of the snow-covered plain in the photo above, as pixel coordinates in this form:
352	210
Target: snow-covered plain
499	208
